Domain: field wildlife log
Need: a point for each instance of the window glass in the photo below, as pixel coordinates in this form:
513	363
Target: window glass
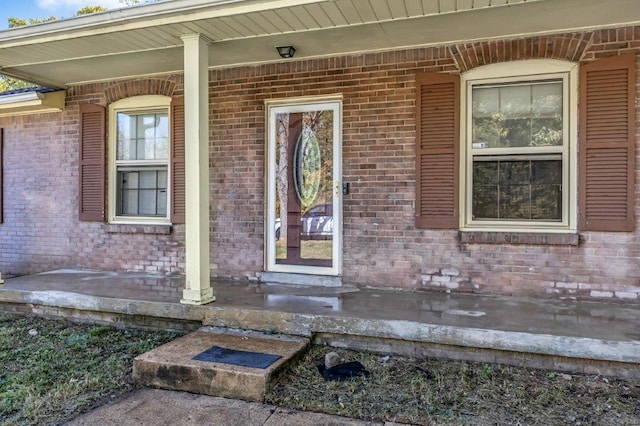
142	192
517	151
517	189
519	147
517	115
143	136
142	151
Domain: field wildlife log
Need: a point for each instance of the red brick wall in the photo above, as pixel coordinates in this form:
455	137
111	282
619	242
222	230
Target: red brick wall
41	230
36	229
382	247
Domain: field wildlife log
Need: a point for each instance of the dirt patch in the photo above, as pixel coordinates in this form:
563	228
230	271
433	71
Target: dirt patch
443	392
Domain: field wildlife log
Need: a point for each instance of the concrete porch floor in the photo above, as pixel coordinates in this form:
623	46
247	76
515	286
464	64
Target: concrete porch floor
594	338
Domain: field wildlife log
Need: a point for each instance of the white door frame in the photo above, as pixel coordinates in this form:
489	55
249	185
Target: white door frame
273	107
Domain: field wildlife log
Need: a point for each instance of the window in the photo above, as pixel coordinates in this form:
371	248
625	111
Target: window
142	163
496	148
140	151
517	145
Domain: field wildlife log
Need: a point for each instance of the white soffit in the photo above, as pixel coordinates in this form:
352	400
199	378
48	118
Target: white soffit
145	40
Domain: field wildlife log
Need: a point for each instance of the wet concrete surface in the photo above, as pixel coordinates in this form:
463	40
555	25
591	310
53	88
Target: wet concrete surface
597	338
597	320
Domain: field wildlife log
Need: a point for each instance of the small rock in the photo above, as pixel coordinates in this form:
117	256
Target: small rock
384	359
33	332
331	359
566	376
571	419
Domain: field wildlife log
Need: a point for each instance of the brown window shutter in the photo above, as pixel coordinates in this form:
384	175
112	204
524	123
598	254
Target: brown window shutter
92	162
437	131
606	144
1	174
177	161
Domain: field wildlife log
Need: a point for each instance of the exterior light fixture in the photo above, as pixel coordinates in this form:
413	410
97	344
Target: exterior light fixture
286	51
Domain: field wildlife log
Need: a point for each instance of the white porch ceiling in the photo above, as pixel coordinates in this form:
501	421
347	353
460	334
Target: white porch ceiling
146	40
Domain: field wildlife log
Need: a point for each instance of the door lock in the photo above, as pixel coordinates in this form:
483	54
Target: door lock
344	188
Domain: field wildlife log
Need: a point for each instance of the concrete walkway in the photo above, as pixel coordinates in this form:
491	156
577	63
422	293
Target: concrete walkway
160	407
583	337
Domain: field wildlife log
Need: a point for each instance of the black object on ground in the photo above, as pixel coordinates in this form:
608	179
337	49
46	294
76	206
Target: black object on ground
344	371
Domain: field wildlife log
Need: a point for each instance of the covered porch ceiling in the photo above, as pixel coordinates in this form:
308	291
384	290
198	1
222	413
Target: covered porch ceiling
145	40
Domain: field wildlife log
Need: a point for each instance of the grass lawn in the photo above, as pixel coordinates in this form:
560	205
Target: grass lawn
53	371
442	392
310	249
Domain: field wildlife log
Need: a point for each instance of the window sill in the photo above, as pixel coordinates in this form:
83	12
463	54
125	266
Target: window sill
113	228
530	238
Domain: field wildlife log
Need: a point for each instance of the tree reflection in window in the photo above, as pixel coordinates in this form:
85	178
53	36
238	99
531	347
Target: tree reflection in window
517	115
517	189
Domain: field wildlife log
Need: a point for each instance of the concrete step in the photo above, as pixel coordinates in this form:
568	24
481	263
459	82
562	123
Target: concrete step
173	366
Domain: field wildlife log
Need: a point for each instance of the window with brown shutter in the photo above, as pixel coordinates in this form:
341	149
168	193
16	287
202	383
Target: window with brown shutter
177	161
92	162
437	144
517	146
607	124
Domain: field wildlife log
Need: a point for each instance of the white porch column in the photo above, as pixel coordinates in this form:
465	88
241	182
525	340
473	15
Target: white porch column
198	289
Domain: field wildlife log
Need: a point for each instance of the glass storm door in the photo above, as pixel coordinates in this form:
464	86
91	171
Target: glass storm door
303	232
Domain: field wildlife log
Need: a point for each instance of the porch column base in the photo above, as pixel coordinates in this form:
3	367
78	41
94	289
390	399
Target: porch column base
197	297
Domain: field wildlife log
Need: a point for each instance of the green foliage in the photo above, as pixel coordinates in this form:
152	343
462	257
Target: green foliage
17	22
88	10
8	83
128	3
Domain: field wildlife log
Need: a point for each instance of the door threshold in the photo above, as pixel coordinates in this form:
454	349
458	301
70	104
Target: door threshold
301	279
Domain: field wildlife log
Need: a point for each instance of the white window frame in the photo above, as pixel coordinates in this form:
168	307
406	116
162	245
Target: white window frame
514	72
145	103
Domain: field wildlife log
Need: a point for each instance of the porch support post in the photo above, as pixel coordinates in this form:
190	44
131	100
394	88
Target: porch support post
198	289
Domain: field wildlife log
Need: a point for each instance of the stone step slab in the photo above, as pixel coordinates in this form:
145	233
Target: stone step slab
172	366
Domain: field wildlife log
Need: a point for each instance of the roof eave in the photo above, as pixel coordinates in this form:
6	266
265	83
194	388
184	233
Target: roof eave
32	102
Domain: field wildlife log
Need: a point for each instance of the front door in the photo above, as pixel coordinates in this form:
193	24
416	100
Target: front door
303	230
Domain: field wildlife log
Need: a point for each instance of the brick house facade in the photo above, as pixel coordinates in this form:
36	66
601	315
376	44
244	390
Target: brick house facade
382	247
